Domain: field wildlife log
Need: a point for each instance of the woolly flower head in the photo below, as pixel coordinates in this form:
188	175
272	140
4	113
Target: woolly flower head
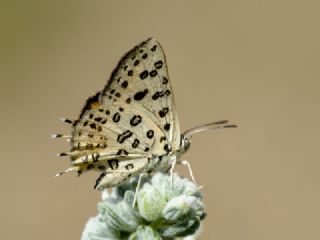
163	211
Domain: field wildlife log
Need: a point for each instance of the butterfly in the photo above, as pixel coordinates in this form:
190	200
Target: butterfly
131	127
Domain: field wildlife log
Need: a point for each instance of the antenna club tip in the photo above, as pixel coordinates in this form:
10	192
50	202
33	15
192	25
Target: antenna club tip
220	122
231	126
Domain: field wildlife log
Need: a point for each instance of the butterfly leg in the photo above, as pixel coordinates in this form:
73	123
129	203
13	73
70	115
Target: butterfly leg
137	189
185	162
171	170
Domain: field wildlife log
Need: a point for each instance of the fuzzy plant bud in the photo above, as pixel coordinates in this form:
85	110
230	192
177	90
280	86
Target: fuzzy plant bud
150	202
164	210
145	232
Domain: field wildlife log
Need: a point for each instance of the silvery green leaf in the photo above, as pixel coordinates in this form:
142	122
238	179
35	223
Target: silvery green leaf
180	186
119	215
179	207
98	230
181	228
163	183
150	202
198	207
170	211
195	235
145	233
191	189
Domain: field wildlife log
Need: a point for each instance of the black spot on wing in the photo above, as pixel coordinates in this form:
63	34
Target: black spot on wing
116	117
122	153
153	73
124	84
99	179
113	163
98	119
154	48
136	62
158	64
135	120
150	134
123	136
140	95
163	138
144	74
129	166
160	94
166	126
167	148
165	80
163	112
130	73
135	143
104	121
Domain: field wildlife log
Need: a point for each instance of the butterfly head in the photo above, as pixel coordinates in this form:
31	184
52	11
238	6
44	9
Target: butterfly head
185	144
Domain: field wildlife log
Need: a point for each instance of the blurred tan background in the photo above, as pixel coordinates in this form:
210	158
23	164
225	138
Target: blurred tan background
253	62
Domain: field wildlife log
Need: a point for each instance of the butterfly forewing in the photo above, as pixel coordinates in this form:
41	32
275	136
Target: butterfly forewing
141	83
131	120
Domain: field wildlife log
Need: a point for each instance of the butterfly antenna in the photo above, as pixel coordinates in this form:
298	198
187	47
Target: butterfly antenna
208	127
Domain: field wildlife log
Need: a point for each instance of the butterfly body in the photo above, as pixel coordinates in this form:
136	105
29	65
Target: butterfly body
131	126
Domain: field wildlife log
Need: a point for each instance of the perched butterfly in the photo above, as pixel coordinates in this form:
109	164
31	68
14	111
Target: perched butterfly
131	127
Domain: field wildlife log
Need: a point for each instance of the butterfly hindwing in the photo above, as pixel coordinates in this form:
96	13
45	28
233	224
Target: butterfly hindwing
124	171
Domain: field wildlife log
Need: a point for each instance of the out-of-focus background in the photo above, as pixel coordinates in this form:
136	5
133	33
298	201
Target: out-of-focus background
253	62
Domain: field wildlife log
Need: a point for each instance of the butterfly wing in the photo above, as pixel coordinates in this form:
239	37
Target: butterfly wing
141	83
130	121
